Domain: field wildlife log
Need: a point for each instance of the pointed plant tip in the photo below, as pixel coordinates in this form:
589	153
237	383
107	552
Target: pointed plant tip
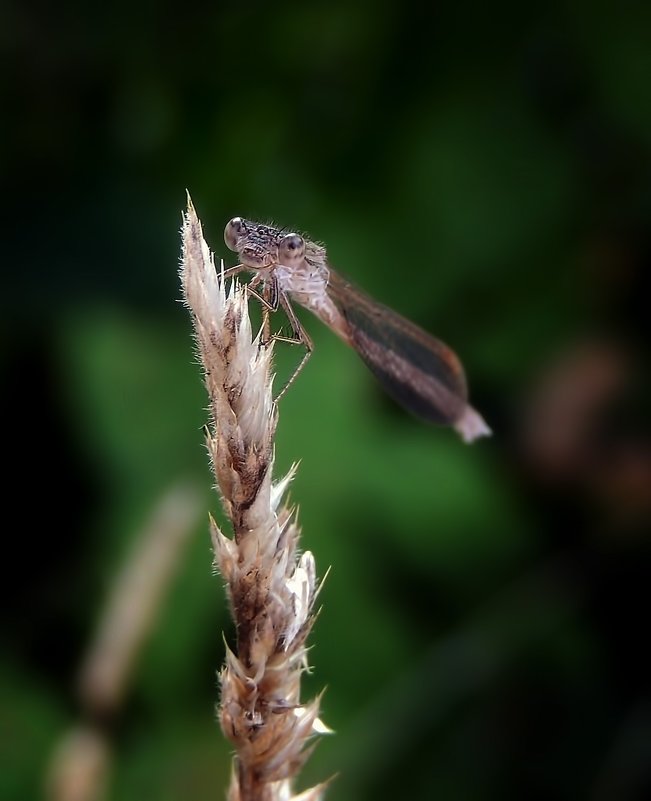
315	793
319	727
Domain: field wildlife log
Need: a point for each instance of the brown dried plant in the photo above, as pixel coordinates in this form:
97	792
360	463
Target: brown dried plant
271	588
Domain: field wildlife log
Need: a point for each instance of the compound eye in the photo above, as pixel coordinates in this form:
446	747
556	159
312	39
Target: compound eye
233	231
291	248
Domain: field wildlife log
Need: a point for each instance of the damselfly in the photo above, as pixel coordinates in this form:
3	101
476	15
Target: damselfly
420	372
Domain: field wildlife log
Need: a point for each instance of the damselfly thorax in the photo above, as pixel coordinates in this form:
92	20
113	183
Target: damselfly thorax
416	369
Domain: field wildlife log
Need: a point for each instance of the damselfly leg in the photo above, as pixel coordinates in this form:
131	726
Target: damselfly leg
271	299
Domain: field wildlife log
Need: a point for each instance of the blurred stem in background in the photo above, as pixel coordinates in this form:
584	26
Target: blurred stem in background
80	766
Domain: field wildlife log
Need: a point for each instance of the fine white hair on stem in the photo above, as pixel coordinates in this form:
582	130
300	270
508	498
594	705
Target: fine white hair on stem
270	587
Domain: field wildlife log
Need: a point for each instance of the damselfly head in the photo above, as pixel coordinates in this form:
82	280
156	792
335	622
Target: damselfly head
262	246
255	244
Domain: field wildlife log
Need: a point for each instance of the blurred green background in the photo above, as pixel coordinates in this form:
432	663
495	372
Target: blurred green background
483	169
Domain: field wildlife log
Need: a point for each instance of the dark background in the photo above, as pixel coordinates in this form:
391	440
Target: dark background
483	169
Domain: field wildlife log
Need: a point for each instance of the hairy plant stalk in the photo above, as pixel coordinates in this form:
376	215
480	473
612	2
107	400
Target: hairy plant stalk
271	588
